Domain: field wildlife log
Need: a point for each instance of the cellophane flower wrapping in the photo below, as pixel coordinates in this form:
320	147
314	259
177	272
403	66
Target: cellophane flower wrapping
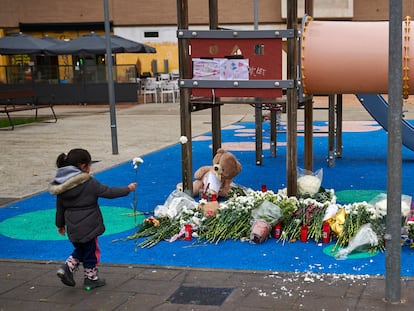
309	182
175	203
364	240
380	204
260	231
265	216
268	212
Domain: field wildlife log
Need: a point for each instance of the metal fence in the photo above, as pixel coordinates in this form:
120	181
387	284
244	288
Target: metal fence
65	74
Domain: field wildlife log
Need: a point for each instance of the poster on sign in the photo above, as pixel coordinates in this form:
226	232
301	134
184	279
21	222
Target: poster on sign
237	59
234	69
206	69
220	69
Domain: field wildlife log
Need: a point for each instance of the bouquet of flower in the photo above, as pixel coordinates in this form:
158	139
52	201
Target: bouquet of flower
237	190
352	217
365	239
231	221
380	205
264	216
156	230
174	204
310	213
410	230
309	183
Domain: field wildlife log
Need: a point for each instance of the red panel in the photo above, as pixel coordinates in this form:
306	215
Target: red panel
264	66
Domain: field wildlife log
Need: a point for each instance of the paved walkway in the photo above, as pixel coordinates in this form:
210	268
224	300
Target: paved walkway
27	166
34	286
27	162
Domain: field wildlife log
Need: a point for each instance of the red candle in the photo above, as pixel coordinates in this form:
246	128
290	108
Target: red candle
277	230
326	232
188	235
304	234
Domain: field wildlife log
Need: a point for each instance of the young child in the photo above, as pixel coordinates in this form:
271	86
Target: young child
78	214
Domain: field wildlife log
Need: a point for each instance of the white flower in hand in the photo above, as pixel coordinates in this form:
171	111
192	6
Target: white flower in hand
136	162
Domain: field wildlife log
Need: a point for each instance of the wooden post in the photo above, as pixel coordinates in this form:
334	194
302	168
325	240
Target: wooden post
308	156
258	133
215	110
185	109
292	100
273	132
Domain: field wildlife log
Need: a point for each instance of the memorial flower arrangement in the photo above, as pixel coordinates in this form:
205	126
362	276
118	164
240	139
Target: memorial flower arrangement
410	232
232	220
350	225
350	218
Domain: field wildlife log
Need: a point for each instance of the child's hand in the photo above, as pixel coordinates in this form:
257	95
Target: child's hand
62	231
132	186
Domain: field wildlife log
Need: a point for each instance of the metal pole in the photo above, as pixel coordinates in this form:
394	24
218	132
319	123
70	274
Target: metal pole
331	130
111	89
393	230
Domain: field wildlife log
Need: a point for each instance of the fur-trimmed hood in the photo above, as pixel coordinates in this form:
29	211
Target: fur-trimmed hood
67	178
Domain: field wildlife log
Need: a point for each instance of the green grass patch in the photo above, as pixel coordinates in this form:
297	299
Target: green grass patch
4	122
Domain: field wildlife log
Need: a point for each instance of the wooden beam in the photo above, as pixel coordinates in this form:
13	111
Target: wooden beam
291	94
185	108
216	109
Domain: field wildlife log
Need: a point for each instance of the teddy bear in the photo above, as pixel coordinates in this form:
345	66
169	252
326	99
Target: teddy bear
217	178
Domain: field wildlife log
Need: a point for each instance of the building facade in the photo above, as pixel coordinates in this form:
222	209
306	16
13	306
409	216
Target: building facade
155	23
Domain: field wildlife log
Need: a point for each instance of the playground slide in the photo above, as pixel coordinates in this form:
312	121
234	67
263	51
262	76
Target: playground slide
377	107
348	57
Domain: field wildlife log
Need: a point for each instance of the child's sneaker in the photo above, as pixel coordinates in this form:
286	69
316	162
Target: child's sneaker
90	284
65	275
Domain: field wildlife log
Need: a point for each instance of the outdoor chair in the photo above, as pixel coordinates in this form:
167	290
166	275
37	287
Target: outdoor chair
168	88
150	88
164	77
175	74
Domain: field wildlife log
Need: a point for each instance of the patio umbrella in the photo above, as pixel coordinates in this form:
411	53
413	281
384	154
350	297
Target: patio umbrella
19	43
132	46
51	39
96	44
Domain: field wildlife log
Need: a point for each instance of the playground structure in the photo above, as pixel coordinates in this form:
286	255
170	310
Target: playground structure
364	70
326	55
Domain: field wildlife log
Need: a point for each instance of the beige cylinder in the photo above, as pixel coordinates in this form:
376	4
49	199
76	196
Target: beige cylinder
350	57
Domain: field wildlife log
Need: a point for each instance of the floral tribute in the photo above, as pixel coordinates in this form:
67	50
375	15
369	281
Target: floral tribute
309	216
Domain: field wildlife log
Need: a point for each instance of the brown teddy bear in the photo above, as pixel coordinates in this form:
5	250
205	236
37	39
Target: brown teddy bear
217	179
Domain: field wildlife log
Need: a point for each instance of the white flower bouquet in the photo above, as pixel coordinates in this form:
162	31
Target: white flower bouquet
309	182
380	205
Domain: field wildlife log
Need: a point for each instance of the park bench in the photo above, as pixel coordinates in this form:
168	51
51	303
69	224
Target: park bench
22	100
